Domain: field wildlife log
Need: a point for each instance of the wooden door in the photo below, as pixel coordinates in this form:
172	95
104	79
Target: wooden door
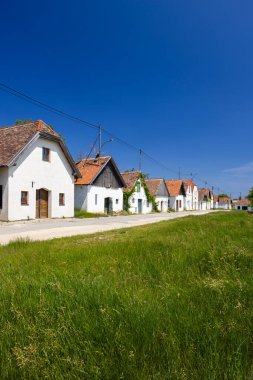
139	206
41	203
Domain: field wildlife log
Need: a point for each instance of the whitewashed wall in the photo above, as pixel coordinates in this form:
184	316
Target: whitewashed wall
32	173
188	199
4	183
85	198
133	201
195	198
162	203
172	202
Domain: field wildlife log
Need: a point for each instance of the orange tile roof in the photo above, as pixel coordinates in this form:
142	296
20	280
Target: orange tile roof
13	139
130	178
243	202
190	183
224	200
90	168
153	185
174	187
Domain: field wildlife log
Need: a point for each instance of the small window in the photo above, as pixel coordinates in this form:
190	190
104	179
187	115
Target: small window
46	154
96	199
24	198
1	197
180	204
117	201
133	200
138	187
61	199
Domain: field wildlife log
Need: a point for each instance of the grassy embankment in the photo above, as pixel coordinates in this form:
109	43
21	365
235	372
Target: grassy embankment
167	301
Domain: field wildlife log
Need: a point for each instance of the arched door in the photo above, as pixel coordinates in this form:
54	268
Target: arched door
41	203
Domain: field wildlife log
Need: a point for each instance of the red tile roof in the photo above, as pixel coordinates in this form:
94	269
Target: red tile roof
224	200
90	168
153	185
13	139
130	178
202	193
243	202
174	187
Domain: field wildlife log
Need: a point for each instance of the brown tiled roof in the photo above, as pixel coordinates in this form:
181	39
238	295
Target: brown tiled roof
203	193
243	202
215	197
174	187
153	185
14	139
90	168
224	200
130	178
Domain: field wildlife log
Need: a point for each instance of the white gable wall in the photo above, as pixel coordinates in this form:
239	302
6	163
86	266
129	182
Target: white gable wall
173	202
86	196
139	195
188	198
32	173
162	203
195	198
4	183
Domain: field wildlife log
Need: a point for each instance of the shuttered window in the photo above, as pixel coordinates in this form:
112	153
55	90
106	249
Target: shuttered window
1	197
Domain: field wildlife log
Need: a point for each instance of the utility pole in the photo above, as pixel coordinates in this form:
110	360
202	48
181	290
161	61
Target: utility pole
240	196
100	141
140	159
179	173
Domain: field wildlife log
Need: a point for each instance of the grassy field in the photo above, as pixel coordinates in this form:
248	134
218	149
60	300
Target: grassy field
85	214
172	300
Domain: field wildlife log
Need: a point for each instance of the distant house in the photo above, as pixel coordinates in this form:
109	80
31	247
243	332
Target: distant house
158	189
243	204
100	188
215	201
205	199
37	173
191	198
225	203
137	197
177	195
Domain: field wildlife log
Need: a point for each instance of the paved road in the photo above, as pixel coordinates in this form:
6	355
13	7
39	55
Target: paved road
55	228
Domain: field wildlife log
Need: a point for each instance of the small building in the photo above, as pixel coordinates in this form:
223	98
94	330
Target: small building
205	199
225	203
191	198
177	195
37	173
158	189
243	204
100	188
215	201
137	198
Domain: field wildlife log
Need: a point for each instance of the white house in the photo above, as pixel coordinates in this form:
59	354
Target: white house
243	204
136	194
100	188
157	188
37	173
191	195
205	199
177	195
225	203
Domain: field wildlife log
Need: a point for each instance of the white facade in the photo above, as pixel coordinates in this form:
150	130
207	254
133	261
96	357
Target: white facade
188	199
176	203
195	198
162	203
138	203
92	198
31	173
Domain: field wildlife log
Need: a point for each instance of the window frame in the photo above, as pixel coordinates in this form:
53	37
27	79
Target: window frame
61	199
26	193
45	149
96	199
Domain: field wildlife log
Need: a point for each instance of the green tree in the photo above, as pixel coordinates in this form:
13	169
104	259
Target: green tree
224	195
250	196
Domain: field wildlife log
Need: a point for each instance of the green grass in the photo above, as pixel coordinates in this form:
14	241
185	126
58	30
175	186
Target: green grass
85	214
172	300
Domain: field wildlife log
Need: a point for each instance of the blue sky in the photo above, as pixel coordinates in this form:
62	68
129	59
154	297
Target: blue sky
172	77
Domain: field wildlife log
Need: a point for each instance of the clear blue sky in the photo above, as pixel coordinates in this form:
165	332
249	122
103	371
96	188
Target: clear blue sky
172	77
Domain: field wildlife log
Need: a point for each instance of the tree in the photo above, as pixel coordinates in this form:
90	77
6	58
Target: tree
250	196
20	122
224	195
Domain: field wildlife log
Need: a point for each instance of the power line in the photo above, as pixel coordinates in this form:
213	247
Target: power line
58	112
